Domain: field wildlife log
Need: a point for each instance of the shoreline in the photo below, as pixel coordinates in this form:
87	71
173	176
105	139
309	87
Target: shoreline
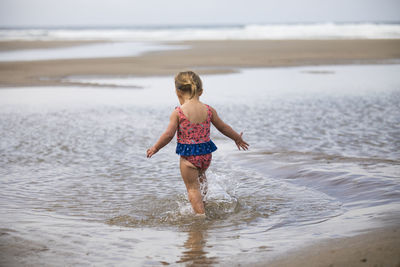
205	57
26	45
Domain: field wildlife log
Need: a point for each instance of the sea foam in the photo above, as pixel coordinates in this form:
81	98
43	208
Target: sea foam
228	32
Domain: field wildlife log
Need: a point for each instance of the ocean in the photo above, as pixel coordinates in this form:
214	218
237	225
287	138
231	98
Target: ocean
131	41
293	31
323	163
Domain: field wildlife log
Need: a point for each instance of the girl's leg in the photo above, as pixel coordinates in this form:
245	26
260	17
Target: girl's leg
203	183
190	176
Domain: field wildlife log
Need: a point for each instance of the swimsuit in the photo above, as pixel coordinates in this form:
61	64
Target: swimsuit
194	143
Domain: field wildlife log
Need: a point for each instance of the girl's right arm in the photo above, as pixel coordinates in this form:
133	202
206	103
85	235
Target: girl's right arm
167	136
228	131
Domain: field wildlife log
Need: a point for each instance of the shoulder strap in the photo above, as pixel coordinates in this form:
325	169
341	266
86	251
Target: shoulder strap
180	112
209	111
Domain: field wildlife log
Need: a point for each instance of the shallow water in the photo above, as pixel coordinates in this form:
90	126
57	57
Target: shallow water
96	50
77	188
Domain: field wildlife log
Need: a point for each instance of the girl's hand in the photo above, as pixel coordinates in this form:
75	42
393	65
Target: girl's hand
151	151
241	144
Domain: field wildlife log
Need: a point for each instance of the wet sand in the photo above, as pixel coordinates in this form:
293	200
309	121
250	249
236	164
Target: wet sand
17	251
22	45
376	248
206	57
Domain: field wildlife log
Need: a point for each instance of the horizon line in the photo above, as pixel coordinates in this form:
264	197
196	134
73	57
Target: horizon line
184	25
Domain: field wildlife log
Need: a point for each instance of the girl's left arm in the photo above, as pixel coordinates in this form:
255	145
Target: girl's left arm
167	136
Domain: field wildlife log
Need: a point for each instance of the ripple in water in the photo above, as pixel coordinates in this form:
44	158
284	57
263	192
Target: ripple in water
234	200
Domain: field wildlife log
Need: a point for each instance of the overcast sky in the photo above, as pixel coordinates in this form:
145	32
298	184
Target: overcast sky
171	12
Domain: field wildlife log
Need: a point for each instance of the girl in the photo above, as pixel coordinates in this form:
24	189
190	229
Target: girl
192	121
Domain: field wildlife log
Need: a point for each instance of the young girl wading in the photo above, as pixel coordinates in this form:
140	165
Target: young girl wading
192	121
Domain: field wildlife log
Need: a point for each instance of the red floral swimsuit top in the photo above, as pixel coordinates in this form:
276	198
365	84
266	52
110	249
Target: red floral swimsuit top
194	138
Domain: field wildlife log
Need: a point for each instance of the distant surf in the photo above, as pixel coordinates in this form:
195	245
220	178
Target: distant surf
367	30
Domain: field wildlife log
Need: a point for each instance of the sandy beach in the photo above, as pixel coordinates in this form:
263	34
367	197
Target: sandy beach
377	247
206	57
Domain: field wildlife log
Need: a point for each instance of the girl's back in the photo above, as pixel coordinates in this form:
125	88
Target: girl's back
195	112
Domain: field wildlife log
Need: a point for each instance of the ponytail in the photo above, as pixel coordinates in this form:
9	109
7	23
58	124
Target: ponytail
189	82
193	89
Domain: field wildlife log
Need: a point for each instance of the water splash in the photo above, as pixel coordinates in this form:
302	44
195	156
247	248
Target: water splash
220	201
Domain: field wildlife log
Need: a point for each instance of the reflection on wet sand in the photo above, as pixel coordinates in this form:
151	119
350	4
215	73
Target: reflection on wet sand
195	253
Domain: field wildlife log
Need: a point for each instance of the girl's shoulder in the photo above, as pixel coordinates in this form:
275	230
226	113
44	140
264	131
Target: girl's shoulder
178	113
182	107
210	108
177	110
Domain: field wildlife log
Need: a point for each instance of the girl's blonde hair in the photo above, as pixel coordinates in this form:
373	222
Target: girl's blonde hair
188	81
